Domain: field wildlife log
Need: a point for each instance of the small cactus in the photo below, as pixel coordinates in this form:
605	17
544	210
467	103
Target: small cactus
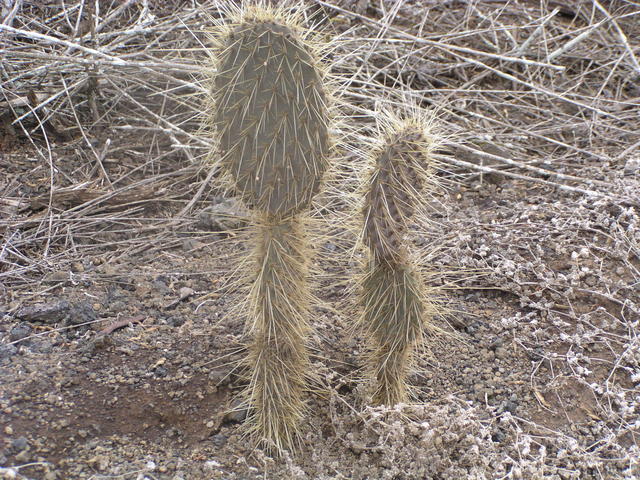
394	299
269	102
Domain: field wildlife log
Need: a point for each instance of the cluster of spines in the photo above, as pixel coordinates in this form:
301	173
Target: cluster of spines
394	300
271	116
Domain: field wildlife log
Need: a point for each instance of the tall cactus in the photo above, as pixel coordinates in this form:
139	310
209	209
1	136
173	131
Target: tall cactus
271	117
393	296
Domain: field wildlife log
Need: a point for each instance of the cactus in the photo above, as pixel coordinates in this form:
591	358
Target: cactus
269	102
394	299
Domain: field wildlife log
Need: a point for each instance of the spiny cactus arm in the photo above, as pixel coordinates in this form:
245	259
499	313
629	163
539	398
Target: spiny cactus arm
278	357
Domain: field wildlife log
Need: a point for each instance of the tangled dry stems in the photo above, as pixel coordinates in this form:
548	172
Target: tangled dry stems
542	96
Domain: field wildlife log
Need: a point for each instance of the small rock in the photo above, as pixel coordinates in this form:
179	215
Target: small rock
7	351
175	321
8	430
51	475
20	331
219	440
51	312
20	443
228	214
82	312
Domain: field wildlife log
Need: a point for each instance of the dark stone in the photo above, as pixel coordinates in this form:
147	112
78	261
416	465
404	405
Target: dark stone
7	351
52	312
82	312
175	321
498	436
20	331
19	444
236	414
219	440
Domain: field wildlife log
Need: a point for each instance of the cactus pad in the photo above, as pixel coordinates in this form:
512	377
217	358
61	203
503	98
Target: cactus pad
271	116
390	200
394	312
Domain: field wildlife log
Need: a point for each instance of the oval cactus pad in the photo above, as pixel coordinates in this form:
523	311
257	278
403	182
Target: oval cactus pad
271	116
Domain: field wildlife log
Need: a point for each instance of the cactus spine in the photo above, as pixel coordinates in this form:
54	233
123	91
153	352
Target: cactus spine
270	113
394	301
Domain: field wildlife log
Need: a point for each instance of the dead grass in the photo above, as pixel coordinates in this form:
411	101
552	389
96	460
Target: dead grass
102	157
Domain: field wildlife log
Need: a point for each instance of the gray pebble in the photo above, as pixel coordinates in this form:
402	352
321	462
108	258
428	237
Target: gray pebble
7	351
82	312
20	331
19	443
175	320
219	440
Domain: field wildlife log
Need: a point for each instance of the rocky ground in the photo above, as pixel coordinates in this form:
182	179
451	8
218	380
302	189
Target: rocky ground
119	341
